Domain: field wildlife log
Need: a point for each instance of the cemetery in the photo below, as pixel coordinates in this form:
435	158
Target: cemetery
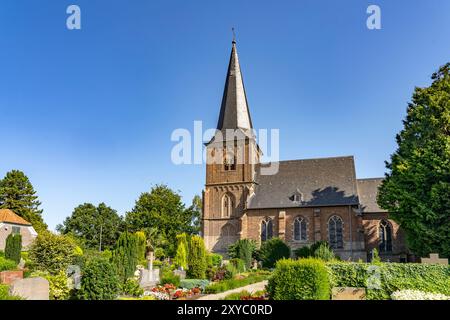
56	268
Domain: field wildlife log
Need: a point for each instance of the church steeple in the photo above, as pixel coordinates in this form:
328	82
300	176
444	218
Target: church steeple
234	112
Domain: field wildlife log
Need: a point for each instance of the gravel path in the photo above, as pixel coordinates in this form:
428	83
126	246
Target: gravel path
250	288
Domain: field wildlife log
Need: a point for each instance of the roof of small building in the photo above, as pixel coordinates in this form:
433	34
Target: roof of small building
316	182
7	215
368	191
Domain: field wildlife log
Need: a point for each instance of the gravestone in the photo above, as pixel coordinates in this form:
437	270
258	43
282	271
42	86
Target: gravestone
74	274
348	293
434	259
31	289
181	273
149	277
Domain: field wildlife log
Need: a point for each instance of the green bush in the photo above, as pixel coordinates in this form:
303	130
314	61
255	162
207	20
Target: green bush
169	277
13	247
237	295
181	256
243	249
382	280
230	284
52	253
125	256
6	264
99	281
194	283
197	262
141	245
59	284
324	252
303	252
273	250
238	265
132	288
304	279
214	260
4	293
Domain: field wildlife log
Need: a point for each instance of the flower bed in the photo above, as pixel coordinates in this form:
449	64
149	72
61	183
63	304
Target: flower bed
239	281
417	295
171	292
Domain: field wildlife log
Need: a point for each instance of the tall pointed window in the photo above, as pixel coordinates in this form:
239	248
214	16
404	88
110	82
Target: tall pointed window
227	206
300	229
266	229
385	233
335	233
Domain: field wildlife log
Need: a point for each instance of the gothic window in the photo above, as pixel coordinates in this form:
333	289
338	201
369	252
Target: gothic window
266	229
229	162
335	237
300	229
385	233
227	206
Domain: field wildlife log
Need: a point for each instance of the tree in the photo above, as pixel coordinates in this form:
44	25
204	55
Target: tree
181	256
416	188
197	262
141	243
52	253
97	227
13	247
243	249
195	212
125	256
18	195
161	208
273	250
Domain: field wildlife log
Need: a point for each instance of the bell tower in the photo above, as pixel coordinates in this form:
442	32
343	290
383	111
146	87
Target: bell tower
232	155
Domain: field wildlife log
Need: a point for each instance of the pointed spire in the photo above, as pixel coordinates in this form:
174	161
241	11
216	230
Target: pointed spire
234	112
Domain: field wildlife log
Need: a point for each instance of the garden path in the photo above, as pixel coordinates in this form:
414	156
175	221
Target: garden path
250	288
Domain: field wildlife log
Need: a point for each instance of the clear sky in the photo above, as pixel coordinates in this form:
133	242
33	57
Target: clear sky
88	114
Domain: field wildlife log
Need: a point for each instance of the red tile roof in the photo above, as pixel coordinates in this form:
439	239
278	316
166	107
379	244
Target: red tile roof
9	216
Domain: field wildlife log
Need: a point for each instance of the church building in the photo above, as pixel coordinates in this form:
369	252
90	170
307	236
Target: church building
306	201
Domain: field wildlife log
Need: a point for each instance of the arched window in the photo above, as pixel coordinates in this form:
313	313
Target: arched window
385	233
335	237
300	229
229	161
227	206
266	229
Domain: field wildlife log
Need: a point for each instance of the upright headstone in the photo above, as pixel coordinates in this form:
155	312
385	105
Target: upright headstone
31	288
434	259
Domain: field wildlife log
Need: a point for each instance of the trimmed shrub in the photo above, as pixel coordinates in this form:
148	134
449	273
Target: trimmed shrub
52	253
303	252
99	281
13	247
243	249
125	256
170	278
324	252
214	260
384	279
6	264
141	245
194	283
226	285
197	263
304	279
273	250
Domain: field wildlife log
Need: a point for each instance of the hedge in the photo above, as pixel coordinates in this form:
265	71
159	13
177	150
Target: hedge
384	279
304	279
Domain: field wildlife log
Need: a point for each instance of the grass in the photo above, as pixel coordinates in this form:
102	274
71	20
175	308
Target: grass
234	283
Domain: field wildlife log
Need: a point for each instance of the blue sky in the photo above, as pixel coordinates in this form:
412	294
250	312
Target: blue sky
87	114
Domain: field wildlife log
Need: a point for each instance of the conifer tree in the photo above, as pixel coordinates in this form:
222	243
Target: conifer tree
13	247
18	195
197	260
125	256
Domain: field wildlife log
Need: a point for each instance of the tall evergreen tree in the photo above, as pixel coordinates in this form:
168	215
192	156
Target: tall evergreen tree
125	255
416	189
197	262
13	247
18	194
